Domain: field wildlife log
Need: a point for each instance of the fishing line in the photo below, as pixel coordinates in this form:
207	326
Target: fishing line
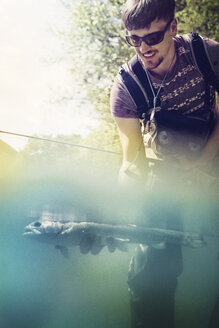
61	142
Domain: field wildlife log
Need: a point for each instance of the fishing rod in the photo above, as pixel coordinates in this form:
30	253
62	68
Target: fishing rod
151	160
61	142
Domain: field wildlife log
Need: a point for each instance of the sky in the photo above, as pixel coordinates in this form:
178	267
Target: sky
31	77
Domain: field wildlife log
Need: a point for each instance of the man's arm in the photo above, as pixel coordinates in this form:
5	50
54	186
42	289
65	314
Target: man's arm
134	166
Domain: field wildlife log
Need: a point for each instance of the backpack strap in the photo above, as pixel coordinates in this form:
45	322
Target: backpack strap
139	71
136	82
202	60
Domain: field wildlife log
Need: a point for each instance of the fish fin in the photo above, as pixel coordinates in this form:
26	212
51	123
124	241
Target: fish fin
63	250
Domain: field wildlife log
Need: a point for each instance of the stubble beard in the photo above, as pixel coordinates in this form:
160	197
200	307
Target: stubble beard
151	65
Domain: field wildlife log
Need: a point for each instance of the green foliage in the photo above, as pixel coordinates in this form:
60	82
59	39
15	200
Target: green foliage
41	159
201	16
99	48
51	160
180	5
105	137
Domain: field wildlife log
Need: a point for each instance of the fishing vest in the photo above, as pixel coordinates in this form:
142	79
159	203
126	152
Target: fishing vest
170	132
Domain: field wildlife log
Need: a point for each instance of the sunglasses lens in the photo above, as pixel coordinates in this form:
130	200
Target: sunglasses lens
150	40
154	38
133	41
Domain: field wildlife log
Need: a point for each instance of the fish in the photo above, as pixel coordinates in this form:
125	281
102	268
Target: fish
94	236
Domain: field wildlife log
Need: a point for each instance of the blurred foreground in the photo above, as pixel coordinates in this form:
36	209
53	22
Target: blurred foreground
39	288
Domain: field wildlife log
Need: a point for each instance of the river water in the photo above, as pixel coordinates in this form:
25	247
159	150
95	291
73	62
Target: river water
39	288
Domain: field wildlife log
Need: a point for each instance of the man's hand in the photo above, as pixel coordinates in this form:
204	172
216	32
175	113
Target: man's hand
90	243
134	166
131	176
93	243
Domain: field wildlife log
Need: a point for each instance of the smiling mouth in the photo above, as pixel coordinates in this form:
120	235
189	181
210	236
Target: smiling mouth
149	54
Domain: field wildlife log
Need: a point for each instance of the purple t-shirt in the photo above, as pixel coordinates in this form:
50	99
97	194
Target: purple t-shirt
183	89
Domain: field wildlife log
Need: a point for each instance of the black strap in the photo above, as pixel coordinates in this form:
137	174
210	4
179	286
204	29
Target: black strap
143	104
202	60
137	94
135	91
143	78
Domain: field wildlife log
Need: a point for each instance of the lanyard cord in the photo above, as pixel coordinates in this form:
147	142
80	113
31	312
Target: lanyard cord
152	89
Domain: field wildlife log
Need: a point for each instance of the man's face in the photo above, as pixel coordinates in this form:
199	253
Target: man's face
156	57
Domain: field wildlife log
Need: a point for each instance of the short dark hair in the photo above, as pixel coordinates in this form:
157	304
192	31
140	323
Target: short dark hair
139	14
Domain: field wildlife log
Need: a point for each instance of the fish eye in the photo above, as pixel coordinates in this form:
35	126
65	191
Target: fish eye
37	224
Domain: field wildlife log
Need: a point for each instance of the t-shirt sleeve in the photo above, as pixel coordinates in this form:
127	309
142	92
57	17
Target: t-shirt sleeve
121	103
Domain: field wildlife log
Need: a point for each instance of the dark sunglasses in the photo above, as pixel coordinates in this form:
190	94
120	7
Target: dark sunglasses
150	39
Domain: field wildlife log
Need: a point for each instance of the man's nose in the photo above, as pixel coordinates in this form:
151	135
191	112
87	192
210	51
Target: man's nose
144	47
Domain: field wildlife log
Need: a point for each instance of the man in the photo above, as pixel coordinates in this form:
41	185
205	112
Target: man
177	86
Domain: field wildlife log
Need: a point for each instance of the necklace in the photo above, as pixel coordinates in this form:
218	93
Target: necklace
158	91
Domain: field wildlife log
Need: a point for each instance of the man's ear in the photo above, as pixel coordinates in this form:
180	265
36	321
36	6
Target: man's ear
173	27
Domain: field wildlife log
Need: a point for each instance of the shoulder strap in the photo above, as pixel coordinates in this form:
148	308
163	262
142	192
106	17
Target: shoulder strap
142	77
137	84
202	60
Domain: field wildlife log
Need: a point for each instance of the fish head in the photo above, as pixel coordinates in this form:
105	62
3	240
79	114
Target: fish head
44	230
57	232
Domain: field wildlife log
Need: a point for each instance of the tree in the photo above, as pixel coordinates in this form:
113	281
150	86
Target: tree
98	48
97	45
201	16
64	158
40	159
